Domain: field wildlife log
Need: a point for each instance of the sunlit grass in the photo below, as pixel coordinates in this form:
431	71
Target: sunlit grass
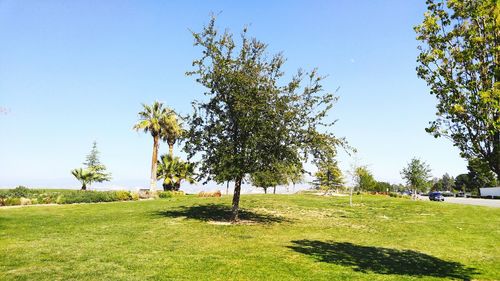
281	237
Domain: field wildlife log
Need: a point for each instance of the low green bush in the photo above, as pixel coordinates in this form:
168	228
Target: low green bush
134	196
123	195
47	198
80	196
165	194
12	201
170	194
24	196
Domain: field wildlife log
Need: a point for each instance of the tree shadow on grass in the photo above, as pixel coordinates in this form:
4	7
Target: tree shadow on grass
382	260
219	213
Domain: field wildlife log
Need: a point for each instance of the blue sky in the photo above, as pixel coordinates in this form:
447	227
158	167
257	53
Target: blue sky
72	72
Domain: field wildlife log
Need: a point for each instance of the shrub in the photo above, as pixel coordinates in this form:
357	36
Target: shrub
134	196
210	194
20	191
8	197
165	194
82	196
123	195
25	201
12	201
47	198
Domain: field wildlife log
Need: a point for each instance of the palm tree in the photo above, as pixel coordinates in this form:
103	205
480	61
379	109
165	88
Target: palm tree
172	130
151	120
90	175
84	176
173	171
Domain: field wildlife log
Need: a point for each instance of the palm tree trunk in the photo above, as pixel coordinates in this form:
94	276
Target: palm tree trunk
154	163
236	199
171	150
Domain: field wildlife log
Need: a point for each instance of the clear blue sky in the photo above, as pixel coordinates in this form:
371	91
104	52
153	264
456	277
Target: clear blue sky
72	72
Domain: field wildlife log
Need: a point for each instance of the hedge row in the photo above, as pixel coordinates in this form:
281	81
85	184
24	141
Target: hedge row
169	194
24	196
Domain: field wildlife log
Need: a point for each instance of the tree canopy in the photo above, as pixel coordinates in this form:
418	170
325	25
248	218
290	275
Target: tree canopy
364	179
329	176
459	59
417	174
95	170
252	119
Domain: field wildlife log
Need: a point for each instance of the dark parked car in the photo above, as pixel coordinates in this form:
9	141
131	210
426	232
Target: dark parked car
436	196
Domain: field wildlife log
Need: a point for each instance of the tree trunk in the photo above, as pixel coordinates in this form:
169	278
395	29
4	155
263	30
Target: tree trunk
350	197
154	163
265	190
236	199
227	188
274	189
496	157
84	186
171	149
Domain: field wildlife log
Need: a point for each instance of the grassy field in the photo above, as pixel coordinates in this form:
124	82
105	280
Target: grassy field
282	237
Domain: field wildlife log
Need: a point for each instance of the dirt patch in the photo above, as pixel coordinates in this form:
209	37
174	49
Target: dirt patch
240	222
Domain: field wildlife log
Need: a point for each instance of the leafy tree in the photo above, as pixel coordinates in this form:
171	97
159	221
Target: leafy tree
271	177
446	182
416	174
398	187
329	176
383	186
480	175
152	119
173	171
463	183
460	61
295	174
251	120
364	179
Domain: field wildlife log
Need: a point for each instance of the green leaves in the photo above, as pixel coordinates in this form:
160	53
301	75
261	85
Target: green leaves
173	171
459	59
252	120
95	171
89	175
416	174
159	121
329	176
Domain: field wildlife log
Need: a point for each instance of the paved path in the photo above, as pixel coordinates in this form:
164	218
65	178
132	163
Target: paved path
470	201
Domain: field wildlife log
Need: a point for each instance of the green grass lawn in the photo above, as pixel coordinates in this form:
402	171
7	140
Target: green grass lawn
282	237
